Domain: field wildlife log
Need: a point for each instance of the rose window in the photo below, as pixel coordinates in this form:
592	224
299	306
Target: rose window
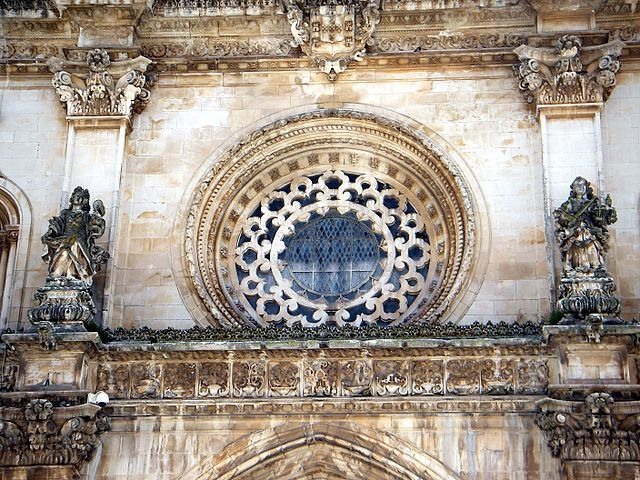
329	217
335	248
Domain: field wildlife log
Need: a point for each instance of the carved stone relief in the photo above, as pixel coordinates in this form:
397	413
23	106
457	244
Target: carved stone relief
595	430
41	434
568	73
264	274
100	86
324	377
333	33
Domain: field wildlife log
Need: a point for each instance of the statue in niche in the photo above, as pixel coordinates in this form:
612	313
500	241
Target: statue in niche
586	290
581	229
70	240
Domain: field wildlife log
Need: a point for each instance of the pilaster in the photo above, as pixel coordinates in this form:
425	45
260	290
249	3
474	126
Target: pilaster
100	95
568	84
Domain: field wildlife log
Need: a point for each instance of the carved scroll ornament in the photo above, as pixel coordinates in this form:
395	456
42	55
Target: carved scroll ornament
99	86
594	430
568	73
41	434
333	32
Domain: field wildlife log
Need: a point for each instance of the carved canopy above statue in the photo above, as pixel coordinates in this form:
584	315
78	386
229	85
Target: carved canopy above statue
330	217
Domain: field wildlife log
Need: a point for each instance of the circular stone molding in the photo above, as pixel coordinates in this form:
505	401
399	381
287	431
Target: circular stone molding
331	217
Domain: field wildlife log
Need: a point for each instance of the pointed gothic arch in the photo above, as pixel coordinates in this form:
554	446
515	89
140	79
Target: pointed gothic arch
332	451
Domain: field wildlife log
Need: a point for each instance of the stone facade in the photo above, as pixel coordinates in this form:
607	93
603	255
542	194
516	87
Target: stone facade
237	149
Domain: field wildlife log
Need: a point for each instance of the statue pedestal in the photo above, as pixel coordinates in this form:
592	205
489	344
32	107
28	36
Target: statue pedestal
66	369
57	472
588	299
63	301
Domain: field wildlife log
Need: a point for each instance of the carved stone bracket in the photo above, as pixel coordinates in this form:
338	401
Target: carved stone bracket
101	87
41	434
596	429
568	73
333	32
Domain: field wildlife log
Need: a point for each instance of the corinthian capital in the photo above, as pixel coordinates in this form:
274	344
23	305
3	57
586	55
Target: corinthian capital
568	73
99	86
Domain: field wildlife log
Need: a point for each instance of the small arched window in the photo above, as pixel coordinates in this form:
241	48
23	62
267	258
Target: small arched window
9	229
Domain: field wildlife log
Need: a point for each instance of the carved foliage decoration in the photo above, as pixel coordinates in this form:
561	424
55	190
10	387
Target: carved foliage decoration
333	32
360	376
99	86
40	434
568	73
594	430
404	243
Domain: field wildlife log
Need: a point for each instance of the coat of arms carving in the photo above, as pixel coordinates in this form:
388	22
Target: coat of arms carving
333	32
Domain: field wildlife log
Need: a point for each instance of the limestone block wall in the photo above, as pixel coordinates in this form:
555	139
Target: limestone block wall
485	446
621	139
32	156
193	118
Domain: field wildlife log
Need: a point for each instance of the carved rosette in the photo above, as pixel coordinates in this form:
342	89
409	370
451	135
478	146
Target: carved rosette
333	32
100	86
597	429
309	222
41	434
568	73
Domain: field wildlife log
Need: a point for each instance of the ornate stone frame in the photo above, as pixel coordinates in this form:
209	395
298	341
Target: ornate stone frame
281	147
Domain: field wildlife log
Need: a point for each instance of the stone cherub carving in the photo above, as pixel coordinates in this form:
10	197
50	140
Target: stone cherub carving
586	289
581	229
70	240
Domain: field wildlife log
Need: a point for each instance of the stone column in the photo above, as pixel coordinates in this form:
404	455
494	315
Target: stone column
7	269
100	95
568	85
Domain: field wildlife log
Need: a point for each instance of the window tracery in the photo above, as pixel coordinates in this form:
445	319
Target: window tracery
330	217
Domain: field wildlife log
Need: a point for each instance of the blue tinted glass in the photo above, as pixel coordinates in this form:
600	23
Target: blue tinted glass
332	255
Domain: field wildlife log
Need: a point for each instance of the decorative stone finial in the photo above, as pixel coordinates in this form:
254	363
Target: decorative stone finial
568	73
73	258
333	32
586	288
99	86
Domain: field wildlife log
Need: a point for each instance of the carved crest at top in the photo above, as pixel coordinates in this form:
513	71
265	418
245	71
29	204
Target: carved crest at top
333	32
568	73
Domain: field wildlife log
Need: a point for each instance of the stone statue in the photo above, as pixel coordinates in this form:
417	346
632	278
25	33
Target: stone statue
581	229
70	240
586	290
74	258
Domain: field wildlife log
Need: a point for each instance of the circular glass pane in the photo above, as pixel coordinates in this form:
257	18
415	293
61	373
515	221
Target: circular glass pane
332	255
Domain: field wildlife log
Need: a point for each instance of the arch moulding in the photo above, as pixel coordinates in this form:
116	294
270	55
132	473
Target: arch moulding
398	185
374	451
